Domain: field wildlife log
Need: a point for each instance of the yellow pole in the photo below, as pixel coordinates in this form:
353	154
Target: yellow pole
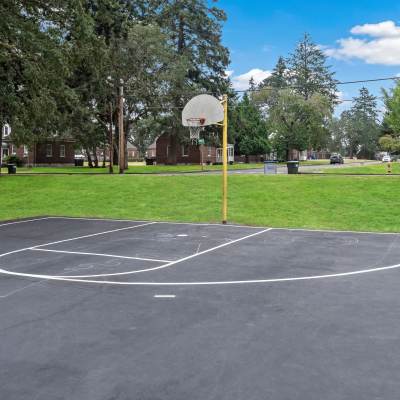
225	163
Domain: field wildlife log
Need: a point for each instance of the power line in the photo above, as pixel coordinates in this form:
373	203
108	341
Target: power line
338	83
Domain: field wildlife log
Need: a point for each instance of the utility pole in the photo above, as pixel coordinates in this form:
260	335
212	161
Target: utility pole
111	141
121	128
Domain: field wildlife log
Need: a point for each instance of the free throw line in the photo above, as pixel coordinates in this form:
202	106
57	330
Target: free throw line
170	264
100	255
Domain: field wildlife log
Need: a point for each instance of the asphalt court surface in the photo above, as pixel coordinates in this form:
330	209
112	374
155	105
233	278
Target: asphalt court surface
112	309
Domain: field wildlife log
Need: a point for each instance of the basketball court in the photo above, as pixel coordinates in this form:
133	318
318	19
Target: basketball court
112	309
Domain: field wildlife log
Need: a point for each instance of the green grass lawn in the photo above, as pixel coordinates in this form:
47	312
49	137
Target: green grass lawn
366	169
326	202
133	169
140	168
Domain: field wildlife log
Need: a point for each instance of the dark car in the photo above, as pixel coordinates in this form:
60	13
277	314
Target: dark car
336	159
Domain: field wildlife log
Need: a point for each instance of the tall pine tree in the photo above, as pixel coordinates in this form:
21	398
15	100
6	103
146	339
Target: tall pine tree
308	72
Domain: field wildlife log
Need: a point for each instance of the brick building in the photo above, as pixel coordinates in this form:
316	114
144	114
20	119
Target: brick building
185	153
54	152
133	152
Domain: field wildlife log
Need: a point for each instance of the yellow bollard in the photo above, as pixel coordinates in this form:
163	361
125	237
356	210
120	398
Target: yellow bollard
389	168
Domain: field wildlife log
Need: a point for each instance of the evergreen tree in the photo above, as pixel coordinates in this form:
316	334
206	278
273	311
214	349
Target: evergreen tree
270	87
308	72
33	67
194	29
278	78
362	127
249	129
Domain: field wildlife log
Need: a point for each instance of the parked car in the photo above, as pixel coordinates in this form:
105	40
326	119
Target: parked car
386	159
336	159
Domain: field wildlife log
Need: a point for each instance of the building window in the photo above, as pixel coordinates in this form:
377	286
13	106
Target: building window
185	151
209	151
25	151
62	150
168	150
49	150
6	130
5	153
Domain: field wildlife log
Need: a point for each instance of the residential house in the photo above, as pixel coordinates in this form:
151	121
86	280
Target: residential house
185	153
46	152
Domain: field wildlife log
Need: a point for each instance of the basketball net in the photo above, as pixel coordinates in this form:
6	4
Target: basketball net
196	125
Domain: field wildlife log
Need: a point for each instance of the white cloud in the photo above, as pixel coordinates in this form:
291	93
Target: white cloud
241	82
380	46
382	29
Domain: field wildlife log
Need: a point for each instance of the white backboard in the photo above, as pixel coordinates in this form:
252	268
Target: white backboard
204	107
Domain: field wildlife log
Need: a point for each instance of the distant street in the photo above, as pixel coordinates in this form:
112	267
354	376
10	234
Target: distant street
282	169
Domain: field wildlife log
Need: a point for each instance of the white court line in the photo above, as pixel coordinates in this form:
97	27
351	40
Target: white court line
90	235
131	272
164	296
160	222
26	220
234	226
206	224
100	255
210	283
75	238
334	231
98	219
170	263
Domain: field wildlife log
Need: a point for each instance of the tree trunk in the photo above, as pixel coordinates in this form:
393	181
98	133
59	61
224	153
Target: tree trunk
103	165
288	154
96	160
89	157
126	153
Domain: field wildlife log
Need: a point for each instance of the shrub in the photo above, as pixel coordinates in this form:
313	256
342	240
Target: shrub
13	159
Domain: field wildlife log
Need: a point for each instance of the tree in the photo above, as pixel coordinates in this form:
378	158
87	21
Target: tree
279	76
270	87
298	123
249	129
337	136
361	125
308	72
392	104
389	143
194	29
298	99
33	67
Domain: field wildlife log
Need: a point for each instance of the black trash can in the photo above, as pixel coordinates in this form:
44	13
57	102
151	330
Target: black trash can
79	162
150	161
12	168
270	167
292	167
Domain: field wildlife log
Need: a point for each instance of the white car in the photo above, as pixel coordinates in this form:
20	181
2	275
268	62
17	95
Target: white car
386	159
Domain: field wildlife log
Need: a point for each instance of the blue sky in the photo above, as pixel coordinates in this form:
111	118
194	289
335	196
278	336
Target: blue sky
361	37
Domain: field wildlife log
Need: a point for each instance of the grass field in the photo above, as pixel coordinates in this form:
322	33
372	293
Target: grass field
366	169
140	168
133	169
328	202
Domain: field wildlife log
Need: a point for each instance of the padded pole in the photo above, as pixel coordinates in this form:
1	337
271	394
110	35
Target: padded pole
225	163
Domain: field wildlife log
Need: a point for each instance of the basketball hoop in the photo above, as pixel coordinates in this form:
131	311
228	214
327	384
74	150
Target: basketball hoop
196	125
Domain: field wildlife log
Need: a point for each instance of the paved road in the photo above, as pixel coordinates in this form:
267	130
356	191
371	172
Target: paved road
306	168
